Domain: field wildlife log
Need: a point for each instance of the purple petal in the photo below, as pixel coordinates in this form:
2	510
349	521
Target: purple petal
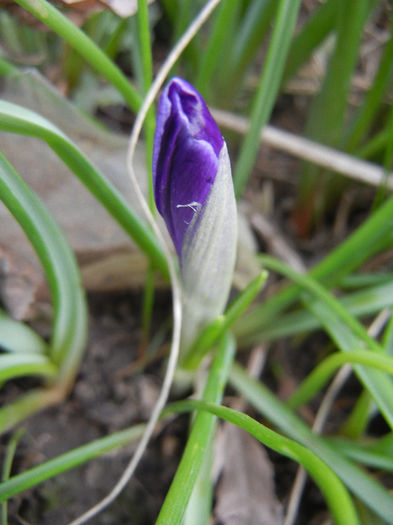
185	158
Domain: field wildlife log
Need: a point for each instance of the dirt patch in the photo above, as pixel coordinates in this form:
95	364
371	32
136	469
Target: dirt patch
102	402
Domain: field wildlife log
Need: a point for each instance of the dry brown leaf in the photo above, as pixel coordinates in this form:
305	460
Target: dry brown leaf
245	494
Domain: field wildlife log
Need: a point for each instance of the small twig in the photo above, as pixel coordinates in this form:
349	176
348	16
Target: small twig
176	290
303	148
322	415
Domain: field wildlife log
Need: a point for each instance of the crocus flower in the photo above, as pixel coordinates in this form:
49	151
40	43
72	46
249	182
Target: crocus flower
194	194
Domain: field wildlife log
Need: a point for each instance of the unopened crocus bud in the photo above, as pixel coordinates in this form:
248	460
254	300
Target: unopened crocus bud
194	194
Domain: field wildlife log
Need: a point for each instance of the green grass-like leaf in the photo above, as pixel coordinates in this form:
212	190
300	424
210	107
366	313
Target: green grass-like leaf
333	489
175	504
62	26
214	330
319	376
346	331
362	303
356	479
312	34
374	235
18	337
327	114
26	364
70	315
67	461
267	90
16	119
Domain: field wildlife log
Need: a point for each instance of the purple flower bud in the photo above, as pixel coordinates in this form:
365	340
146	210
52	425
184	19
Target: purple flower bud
194	194
185	157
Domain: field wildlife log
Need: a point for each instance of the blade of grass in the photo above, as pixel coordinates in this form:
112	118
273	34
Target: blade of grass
387	337
176	500
388	157
147	72
367	240
199	508
18	337
18	365
7	466
372	102
315	30
214	330
318	291
26	405
361	280
337	497
185	12
384	445
6	68
321	374
213	51
379	386
267	90
147	69
356	479
63	27
112	46
374	145
16	119
74	458
70	315
355	424
245	39
359	304
326	117
362	454
345	331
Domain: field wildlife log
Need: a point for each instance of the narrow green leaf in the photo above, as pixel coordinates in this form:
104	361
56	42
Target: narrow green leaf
378	384
267	90
214	330
18	365
78	40
332	304
363	454
245	34
7	466
326	117
18	337
16	119
27	404
372	101
67	461
175	503
336	495
369	238
361	280
346	331
359	304
356	479
147	71
6	68
321	374
70	315
213	52
315	30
